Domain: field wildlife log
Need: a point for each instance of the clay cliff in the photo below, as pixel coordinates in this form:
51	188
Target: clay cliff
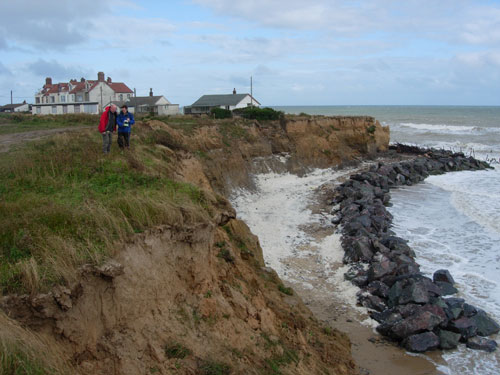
194	296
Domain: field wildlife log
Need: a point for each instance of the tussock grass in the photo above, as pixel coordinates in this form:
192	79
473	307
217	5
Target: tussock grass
20	122
25	353
63	203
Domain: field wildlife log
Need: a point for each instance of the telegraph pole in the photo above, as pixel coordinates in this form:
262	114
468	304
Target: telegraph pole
11	97
135	103
251	89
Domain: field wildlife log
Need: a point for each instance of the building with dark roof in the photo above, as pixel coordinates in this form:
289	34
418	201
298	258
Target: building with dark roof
19	107
156	104
84	96
231	101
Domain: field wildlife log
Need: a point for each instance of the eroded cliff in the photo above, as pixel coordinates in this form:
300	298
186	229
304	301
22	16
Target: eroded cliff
191	293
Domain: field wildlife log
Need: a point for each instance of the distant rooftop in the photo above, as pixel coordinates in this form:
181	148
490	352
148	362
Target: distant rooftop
220	100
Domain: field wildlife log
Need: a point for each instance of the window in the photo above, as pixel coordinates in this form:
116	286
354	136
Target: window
73	98
79	98
37	100
63	98
90	108
128	96
77	108
54	110
65	109
38	110
121	97
52	99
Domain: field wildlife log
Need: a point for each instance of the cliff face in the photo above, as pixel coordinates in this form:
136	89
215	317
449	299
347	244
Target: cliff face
197	298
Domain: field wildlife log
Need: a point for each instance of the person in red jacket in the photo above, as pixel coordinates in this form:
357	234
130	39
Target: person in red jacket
107	126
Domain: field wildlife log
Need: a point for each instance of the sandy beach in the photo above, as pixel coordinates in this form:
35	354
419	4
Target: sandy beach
314	265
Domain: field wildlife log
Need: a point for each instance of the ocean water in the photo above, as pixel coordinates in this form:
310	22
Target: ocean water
452	221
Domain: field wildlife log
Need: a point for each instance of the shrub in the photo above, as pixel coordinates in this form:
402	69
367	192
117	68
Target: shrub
221	113
262	114
285	290
176	350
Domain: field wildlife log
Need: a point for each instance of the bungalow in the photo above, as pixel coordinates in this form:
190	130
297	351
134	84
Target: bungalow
158	105
232	101
20	107
84	96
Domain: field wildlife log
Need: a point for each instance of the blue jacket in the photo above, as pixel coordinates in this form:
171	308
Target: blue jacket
124	125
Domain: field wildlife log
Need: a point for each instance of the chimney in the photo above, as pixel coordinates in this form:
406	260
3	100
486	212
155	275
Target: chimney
24	101
82	79
108	80
234	91
48	81
151	92
100	76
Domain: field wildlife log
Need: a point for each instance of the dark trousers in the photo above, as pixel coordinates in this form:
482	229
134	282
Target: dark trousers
124	140
107	138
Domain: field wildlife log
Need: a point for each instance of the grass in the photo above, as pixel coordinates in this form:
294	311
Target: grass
24	353
214	368
285	290
176	350
18	123
63	203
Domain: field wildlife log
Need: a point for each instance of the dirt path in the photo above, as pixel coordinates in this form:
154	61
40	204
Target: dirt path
9	140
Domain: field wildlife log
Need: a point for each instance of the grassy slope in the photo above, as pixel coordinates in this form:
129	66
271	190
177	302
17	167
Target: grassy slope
63	203
20	123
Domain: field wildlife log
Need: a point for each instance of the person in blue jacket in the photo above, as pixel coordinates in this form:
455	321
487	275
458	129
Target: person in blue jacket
125	120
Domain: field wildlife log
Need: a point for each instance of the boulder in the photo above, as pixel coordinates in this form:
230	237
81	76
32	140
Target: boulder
384	315
421	342
416	292
447	289
444	276
455	307
419	322
448	340
378	288
480	343
485	325
465	326
469	310
381	268
373	302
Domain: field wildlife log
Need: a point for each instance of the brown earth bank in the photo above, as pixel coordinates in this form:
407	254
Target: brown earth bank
197	298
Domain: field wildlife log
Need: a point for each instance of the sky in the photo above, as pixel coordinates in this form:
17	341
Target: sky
316	52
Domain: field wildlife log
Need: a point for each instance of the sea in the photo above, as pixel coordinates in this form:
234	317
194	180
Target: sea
451	221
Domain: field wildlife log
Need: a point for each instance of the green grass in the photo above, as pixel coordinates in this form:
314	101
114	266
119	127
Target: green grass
19	123
176	350
285	290
63	203
18	362
214	368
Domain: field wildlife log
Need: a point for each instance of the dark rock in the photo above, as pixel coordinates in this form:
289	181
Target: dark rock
419	322
447	289
381	268
485	325
448	340
384	315
378	288
362	249
465	326
455	307
480	343
373	302
444	276
469	310
416	292
395	292
421	342
360	280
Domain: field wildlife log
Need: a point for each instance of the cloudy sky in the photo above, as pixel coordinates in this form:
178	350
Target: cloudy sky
324	52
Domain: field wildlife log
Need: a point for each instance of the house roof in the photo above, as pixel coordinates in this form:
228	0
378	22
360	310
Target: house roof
11	106
119	87
143	100
219	100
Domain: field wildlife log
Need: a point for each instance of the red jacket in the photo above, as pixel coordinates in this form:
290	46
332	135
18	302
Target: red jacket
104	120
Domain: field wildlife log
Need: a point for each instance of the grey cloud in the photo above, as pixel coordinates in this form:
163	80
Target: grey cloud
49	24
52	68
4	71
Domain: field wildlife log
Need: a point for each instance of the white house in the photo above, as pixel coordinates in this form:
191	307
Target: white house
232	101
84	96
159	105
20	107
